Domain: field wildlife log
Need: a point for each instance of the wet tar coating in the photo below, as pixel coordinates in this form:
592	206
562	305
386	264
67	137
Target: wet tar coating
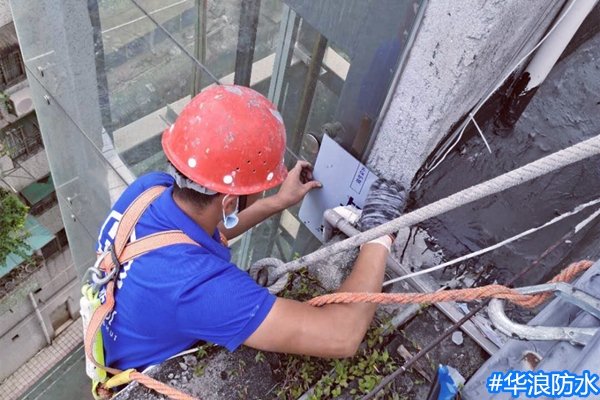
564	111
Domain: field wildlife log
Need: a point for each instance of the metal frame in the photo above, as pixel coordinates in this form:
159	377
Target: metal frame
308	92
199	44
249	13
288	32
414	31
567	292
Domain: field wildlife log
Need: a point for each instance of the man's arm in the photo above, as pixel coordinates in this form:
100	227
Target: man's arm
297	184
336	330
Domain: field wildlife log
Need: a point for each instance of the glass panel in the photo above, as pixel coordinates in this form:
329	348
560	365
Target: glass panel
148	77
107	79
60	65
325	72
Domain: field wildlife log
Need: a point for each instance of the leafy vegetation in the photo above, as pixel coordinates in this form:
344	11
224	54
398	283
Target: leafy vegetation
318	378
328	378
12	224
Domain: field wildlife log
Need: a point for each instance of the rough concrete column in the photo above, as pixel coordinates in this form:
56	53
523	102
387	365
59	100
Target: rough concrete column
462	50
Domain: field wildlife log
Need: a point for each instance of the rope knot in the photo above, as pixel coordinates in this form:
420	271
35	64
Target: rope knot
264	273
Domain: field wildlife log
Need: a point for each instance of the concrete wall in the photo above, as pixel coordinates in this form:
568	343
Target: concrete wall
51	219
36	165
5	14
21	334
462	50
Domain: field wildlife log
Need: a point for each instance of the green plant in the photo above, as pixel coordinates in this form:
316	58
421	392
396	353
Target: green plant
241	366
199	369
202	351
260	357
12	227
329	378
242	392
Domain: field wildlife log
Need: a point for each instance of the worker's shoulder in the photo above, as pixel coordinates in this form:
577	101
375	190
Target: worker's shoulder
187	253
149	180
142	184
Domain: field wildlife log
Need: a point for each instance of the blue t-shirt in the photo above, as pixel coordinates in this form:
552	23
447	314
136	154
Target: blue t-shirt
168	299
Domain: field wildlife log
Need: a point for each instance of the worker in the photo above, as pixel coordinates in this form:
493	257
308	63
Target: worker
225	150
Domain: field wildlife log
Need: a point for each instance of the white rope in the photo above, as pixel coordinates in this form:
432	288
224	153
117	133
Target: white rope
504	242
535	169
586	221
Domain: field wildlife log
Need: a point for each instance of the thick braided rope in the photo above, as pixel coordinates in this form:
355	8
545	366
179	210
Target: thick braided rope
160	387
535	169
265	265
464	295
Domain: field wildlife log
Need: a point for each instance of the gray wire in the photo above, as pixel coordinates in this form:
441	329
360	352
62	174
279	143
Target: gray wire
187	53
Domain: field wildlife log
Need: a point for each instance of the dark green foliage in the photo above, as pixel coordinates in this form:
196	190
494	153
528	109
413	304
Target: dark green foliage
12	224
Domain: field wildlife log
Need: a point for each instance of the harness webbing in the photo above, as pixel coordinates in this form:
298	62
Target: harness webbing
125	252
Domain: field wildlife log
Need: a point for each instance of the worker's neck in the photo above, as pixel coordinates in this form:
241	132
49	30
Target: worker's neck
207	219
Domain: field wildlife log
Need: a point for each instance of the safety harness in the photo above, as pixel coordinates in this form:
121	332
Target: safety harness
105	273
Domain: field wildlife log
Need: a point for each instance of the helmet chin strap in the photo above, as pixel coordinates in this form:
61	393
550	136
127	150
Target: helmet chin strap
186	183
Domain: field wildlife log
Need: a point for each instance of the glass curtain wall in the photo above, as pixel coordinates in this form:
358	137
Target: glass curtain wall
110	76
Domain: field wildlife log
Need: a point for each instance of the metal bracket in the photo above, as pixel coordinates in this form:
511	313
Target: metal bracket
575	335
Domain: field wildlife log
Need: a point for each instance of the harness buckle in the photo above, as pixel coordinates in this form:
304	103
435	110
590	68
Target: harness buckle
95	275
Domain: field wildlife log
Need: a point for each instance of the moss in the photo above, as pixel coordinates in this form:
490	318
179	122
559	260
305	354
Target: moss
357	375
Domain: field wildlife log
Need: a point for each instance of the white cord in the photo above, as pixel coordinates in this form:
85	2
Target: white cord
481	103
507	241
481	133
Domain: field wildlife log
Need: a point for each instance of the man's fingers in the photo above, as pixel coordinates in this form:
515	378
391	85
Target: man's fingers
308	186
306	176
313	185
301	164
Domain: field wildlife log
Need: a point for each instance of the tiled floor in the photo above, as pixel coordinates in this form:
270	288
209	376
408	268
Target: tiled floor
16	384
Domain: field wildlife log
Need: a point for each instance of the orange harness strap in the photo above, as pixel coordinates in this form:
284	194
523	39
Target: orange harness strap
125	252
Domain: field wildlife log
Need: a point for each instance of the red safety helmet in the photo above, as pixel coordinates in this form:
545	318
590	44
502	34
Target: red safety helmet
229	139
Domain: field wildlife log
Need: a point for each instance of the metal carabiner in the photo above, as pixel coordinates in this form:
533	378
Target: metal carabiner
91	272
575	335
95	276
98	282
94	271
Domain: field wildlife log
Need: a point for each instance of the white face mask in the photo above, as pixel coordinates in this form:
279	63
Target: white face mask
231	220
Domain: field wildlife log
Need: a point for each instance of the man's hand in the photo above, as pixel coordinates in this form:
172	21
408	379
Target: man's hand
297	184
385	202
